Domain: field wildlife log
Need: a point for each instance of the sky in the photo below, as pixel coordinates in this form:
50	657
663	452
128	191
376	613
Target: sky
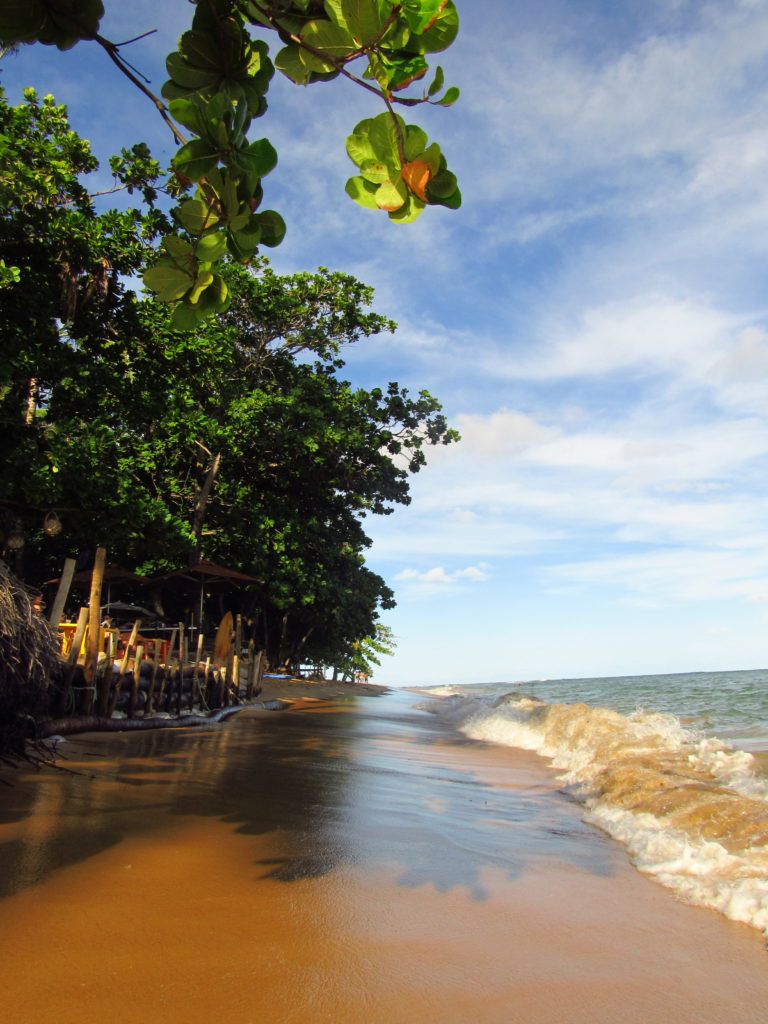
594	321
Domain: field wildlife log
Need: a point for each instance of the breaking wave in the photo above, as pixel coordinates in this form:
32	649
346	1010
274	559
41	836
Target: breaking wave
692	811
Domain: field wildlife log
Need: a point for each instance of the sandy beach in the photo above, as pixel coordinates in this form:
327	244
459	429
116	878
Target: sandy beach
342	861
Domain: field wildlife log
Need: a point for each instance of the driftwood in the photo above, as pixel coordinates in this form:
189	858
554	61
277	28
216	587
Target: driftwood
95	723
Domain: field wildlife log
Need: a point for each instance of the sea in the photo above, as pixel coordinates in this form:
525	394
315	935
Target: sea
675	767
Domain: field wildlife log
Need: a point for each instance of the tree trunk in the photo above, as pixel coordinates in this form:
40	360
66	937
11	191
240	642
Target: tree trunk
202	500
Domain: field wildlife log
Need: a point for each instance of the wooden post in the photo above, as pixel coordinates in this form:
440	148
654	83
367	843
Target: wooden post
62	593
151	692
236	655
206	684
94	631
249	676
124	666
261	662
194	688
74	651
136	678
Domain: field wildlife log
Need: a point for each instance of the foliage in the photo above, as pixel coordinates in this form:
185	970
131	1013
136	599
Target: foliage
218	81
240	442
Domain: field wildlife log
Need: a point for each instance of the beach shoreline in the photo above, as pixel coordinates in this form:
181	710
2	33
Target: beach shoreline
295	689
346	862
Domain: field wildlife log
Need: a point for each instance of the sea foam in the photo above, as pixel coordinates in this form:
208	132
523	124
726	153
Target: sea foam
692	811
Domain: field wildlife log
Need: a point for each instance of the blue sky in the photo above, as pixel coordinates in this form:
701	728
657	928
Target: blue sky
594	320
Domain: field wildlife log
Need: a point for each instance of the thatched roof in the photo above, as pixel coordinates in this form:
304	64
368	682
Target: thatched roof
29	664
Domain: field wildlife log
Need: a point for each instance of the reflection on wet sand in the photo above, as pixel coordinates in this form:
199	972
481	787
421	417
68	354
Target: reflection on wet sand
346	863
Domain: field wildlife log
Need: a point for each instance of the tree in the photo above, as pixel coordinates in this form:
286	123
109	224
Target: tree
241	438
219	78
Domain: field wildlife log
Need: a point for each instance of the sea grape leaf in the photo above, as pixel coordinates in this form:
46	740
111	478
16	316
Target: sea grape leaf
195	159
362	19
451	95
442	185
363	192
439	35
391	195
289	61
330	39
374	171
359	146
272	227
213	246
437	82
415	141
196	216
168	280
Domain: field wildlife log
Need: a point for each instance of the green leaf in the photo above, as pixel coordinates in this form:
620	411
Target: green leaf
391	195
432	157
212	247
167	280
450	97
419	13
289	61
359	147
195	159
374	171
404	72
204	278
331	39
415	141
196	216
258	159
362	19
178	248
453	201
439	35
409	211
442	186
272	228
384	139
437	82
187	75
188	113
186	318
363	192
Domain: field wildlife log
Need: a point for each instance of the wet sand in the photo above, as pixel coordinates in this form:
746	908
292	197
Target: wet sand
348	862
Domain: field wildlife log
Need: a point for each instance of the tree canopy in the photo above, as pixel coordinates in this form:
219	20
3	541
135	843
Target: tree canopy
218	81
239	442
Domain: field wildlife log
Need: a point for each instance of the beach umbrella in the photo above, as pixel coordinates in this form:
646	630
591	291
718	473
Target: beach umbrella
202	576
115	577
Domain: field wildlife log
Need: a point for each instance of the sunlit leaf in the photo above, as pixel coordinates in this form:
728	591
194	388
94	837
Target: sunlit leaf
391	195
196	216
213	246
363	192
289	61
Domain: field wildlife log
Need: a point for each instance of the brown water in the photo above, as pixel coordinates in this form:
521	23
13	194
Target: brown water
357	863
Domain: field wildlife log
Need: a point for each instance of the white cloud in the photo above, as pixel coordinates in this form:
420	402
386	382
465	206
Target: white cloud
439	576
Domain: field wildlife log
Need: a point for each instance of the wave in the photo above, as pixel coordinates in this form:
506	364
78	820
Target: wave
691	810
